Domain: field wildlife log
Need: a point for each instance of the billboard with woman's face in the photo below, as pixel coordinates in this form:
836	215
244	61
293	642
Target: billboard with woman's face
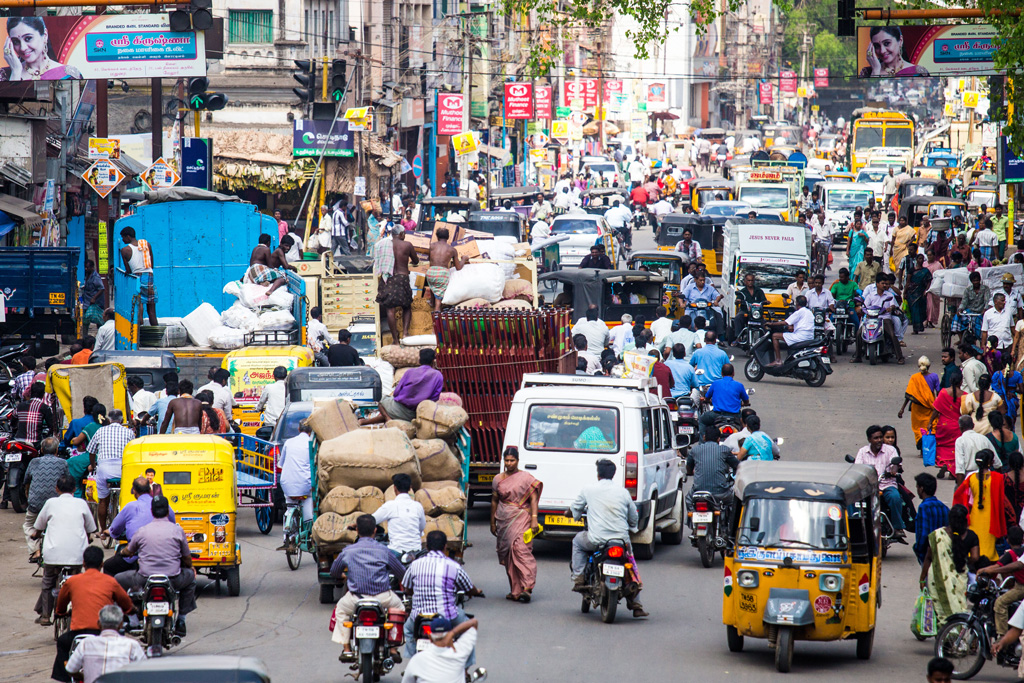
101	47
900	51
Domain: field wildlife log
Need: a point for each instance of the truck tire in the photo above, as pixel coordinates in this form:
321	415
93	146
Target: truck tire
326	593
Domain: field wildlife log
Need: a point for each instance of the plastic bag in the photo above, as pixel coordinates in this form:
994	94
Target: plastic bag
475	281
929	444
922	623
234	288
227	338
240	318
252	296
280	298
276	320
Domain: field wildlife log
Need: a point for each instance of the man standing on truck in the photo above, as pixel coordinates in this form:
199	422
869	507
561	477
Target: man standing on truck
185	410
138	260
391	258
443	258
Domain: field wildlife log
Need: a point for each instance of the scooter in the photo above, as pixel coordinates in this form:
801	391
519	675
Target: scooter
17	455
821	331
877	344
807	360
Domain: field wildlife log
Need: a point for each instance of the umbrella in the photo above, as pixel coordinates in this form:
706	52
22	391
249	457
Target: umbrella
663	116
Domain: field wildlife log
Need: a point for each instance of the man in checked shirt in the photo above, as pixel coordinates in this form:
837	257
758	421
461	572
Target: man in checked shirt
434	580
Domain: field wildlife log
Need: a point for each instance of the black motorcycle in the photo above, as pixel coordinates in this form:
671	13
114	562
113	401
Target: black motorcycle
807	360
705	518
846	331
684	422
17	455
373	636
966	638
754	328
157	602
606	579
10	358
821	331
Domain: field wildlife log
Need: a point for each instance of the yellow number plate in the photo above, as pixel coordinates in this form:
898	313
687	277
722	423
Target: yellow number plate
485	478
57	298
562	521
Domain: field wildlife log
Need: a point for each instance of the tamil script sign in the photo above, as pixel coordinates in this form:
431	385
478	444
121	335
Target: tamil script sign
518	101
310	138
450	108
160	175
103	177
99	46
887	51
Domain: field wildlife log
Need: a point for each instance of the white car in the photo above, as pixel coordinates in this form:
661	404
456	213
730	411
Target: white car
607	171
839	200
584	231
872	177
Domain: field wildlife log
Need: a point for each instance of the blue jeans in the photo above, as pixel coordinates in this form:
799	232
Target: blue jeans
410	642
894	505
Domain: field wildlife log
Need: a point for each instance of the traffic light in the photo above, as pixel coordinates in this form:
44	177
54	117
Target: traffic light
306	76
338	67
847	18
996	98
198	16
199	98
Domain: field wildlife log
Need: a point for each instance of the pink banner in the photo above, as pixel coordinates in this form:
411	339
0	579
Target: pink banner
573	91
787	83
821	78
611	88
589	92
518	101
765	91
542	102
449	113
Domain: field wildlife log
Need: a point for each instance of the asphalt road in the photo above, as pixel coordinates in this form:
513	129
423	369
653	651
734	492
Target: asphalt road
278	618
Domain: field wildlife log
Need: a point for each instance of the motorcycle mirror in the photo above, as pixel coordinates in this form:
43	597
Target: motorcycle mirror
897	460
850	458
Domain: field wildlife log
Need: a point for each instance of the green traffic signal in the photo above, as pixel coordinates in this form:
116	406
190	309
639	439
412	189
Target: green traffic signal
196	102
337	94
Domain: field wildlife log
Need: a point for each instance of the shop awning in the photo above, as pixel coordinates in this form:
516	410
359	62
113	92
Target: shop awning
20	210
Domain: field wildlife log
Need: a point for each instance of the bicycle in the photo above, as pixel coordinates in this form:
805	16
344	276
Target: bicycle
113	507
292	525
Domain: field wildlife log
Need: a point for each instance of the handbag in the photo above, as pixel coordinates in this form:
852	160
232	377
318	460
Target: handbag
334	619
929	444
922	623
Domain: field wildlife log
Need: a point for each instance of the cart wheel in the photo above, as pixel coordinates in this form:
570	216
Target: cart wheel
326	593
265	519
946	331
234	581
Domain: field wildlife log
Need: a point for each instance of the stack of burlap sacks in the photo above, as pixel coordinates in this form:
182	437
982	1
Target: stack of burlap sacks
355	466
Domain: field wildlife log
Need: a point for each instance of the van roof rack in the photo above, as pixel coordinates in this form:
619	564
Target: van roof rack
550	379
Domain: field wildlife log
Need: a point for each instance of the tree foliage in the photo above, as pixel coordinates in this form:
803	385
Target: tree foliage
819	19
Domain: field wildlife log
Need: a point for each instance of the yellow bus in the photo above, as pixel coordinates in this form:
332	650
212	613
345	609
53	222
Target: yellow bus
879	128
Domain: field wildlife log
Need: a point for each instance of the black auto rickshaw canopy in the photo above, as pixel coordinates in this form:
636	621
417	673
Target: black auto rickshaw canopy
358	383
498	223
610	291
826	481
191	669
149	365
923	187
671	227
434	206
515	194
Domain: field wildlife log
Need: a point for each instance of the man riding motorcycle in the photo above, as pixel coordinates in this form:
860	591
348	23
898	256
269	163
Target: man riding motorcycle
132	517
365	564
878	296
727	396
879	455
702	291
611	515
749	294
709	463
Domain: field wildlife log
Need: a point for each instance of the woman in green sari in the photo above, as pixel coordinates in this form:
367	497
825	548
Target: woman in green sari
952	552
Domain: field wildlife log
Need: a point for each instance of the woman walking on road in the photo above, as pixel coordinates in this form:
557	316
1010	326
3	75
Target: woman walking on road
513	513
983	493
944	570
980	403
945	423
920	394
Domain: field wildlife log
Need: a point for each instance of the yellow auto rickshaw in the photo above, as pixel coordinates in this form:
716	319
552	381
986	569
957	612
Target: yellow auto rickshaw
107	382
804	556
252	368
710	189
197	474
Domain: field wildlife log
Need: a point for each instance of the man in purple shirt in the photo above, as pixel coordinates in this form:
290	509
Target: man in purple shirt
161	548
879	297
879	455
419	384
130	519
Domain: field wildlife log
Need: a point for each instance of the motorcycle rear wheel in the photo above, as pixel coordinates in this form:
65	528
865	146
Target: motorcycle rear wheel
961	643
873	354
19	498
609	605
818	378
366	668
707	551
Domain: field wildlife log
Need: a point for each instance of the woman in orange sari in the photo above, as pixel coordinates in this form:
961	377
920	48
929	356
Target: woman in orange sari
513	512
983	493
920	395
945	423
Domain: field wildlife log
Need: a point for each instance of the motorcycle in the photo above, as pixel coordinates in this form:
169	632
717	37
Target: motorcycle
10	358
887	531
684	421
821	331
754	328
705	518
966	638
877	344
157	602
727	424
846	332
807	360
606	579
62	623
374	632
17	456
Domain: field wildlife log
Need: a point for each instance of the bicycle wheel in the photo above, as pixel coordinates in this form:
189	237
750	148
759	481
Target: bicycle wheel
946	330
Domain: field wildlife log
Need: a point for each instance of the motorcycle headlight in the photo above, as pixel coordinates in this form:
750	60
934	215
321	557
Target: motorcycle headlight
747	578
832	583
755	315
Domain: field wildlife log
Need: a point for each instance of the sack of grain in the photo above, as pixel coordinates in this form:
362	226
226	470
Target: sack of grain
398	376
437	463
331	529
435	485
512	304
342	500
407	427
370	499
367	457
332	419
451	525
448	398
518	289
450	500
401	356
437	421
474	303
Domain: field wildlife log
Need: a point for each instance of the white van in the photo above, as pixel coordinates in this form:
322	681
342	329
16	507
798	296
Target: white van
563	424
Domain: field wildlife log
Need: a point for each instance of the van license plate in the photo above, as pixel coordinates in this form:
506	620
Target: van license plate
12	457
485	478
613	570
559	520
704	517
157	608
367	631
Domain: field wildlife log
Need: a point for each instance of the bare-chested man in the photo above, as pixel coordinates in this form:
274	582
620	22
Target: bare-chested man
278	257
391	260
186	411
443	258
263	266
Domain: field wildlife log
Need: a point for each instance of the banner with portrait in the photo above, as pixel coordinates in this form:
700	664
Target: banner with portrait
98	47
900	51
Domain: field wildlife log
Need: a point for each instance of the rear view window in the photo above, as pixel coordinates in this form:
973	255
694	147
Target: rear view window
572	428
177	478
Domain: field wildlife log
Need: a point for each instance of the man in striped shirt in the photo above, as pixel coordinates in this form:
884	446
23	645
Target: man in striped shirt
366	565
434	580
109	651
106	447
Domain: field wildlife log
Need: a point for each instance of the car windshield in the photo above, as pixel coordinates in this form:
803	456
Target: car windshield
289	425
501	228
572	226
790	523
871	176
849	199
671	270
581	429
602	168
866	137
899	137
765	197
723	209
712	194
364	342
773	276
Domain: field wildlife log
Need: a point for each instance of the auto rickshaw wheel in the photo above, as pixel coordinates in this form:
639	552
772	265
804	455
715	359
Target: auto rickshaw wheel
326	593
234	579
865	642
784	649
734	639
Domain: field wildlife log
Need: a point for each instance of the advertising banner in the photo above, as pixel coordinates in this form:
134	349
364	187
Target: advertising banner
103	177
197	162
657	96
1013	166
518	101
309	137
589	92
542	102
464	143
449	113
821	78
887	51
787	83
99	46
572	90
104	148
560	131
765	92
160	175
611	89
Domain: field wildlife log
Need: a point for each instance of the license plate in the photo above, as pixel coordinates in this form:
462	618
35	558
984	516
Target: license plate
367	631
559	520
826	360
12	457
613	570
158	608
685	429
703	517
421	644
485	478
